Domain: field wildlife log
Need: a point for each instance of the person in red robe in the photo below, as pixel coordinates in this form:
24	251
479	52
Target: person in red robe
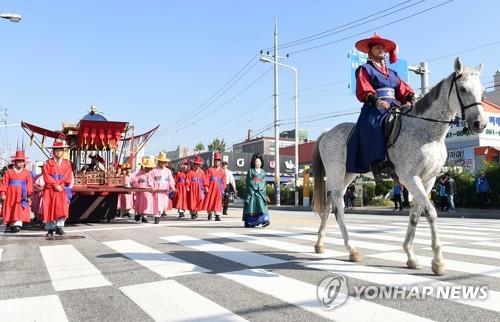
16	192
195	182
180	199
215	186
58	176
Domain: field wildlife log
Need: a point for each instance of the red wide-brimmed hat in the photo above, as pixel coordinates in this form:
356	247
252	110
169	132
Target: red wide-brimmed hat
19	156
198	160
217	156
59	143
390	46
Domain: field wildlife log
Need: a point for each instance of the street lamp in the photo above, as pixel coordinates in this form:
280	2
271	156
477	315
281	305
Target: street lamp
13	17
266	59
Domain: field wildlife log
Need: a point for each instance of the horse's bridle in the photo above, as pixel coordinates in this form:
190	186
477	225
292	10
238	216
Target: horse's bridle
463	107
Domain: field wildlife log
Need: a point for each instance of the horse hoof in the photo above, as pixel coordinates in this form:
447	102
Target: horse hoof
355	256
319	249
438	269
413	264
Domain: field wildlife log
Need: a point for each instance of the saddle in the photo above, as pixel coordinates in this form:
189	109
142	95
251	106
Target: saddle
392	128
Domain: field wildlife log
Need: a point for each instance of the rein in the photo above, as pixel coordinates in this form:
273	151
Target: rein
463	107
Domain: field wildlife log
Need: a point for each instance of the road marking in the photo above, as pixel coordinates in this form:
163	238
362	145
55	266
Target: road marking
161	263
422	227
287	247
69	269
469	251
377	236
426	232
489	244
303	295
394	279
454	265
28	309
170	301
231	253
1	252
330	240
454	227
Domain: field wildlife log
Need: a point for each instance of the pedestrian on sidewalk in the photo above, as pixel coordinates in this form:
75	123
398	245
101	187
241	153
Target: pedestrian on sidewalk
483	189
255	211
451	189
162	180
214	187
143	199
58	177
443	199
180	199
398	203
16	192
230	187
195	181
349	196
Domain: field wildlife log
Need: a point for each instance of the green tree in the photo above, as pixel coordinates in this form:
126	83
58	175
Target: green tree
217	145
199	147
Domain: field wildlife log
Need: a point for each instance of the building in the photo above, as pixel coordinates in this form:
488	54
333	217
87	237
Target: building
305	153
264	145
494	95
303	135
470	152
239	163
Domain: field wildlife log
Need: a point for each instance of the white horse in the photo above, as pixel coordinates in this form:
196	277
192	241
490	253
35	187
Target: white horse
418	156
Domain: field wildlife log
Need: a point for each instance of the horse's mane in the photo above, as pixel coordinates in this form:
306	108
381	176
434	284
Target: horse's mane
427	101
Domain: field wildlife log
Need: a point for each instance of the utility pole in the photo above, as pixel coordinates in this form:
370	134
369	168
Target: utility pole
423	71
276	119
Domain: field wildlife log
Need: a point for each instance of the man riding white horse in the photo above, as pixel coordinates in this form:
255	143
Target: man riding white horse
418	154
380	89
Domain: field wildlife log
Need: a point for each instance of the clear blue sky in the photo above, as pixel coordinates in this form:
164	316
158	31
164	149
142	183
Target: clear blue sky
153	62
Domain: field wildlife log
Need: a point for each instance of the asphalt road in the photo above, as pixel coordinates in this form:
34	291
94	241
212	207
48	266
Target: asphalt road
183	270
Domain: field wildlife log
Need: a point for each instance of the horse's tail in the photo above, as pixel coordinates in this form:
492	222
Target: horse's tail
319	202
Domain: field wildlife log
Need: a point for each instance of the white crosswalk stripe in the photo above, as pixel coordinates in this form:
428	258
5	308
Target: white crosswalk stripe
466	228
40	309
170	301
70	270
489	244
377	236
231	253
329	240
394	279
303	295
422	232
454	265
470	251
278	244
175	300
163	264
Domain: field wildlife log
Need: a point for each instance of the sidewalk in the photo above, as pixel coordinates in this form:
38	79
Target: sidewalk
386	211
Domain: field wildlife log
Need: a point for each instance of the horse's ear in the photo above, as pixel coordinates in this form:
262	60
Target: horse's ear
458	66
480	67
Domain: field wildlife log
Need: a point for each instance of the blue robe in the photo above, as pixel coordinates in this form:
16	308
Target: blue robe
367	143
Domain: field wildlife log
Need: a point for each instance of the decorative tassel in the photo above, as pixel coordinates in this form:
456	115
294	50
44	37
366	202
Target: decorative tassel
393	55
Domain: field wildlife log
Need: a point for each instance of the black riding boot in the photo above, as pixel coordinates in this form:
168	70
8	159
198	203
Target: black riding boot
157	220
60	231
50	233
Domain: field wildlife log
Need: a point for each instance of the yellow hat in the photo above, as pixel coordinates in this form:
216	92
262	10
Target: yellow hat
145	161
162	157
150	163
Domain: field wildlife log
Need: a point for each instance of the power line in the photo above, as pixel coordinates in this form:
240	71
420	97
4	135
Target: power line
351	27
338	27
464	51
182	127
373	29
219	93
